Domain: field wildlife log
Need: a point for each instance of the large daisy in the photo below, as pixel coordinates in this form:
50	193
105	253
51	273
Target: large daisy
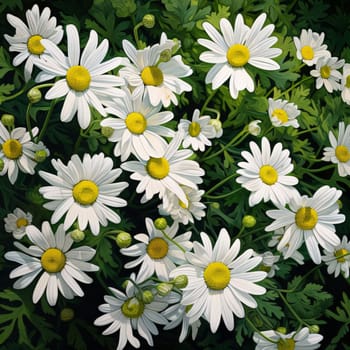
52	257
235	49
220	281
84	191
27	39
17	222
84	82
283	113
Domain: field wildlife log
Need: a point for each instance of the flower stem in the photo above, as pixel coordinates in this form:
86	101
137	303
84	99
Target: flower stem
173	241
210	96
47	119
221	183
28	123
222	195
252	325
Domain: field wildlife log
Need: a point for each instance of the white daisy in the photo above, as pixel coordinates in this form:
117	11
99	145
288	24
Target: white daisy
235	49
27	39
265	174
338	259
268	263
137	128
167	172
310	47
17	152
311	220
52	256
216	123
345	84
297	340
339	152
84	81
157	252
327	74
254	128
283	113
197	132
219	281
17	222
84	191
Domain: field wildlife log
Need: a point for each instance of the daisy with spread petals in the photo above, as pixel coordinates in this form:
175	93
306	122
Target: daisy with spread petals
84	81
283	113
17	222
84	191
309	220
234	49
219	281
52	257
345	84
264	174
27	39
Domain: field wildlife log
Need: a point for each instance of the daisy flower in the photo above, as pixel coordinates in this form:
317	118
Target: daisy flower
137	127
235	49
327	74
167	172
300	340
310	47
17	152
339	152
84	81
268	263
345	84
27	39
254	128
283	113
219	280
338	259
84	191
157	252
216	123
17	222
197	132
265	174
309	219
52	257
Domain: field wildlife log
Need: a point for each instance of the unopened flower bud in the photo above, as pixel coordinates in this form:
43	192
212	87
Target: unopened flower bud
253	128
8	120
40	156
176	46
33	195
34	95
123	239
248	221
107	131
281	330
125	284
340	204
180	281
165	55
66	314
164	288
148	21
314	328
215	205
216	123
77	235
147	296
2	164
160	223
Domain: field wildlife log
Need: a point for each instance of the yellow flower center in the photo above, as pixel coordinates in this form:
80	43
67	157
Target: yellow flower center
20	222
136	123
268	174
152	75
347	83
341	254
182	204
307	52
34	45
325	72
53	260
12	148
78	78
194	129
238	55
157	248
306	218
286	344
280	114
342	153
133	308
217	275
158	168
85	192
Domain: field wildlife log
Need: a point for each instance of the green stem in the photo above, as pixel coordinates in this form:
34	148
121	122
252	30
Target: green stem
326	167
214	111
221	183
307	130
240	232
28	123
210	96
173	241
295	85
222	195
252	325
8	98
136	34
47	119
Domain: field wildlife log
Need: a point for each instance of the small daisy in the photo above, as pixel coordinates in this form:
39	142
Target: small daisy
327	74
17	222
265	174
84	191
339	152
84	81
27	39
283	113
254	128
158	253
197	132
268	263
52	256
137	127
235	49
310	47
17	152
41	152
219	280
345	84
311	220
338	259
167	172
300	340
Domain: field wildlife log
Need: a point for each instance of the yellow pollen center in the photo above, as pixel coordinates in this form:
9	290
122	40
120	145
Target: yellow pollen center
34	45
325	72
132	308
268	174
217	275
307	52
280	114
194	129
347	82
21	222
78	78
136	123
53	260
152	75
238	55
157	248
342	153
341	254
158	168
306	218
12	148
85	192
182	204
286	344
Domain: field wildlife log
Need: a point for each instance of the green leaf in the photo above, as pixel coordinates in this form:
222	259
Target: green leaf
5	64
5	89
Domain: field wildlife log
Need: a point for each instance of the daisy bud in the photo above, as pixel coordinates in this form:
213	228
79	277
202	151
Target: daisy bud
148	21
253	127
215	205
180	281
177	45
125	284
248	221
34	95
66	314
314	328
165	55
164	288
77	235
216	123
107	131
33	195
8	120
147	296
160	223
281	330
340	203
2	164
40	156
123	239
